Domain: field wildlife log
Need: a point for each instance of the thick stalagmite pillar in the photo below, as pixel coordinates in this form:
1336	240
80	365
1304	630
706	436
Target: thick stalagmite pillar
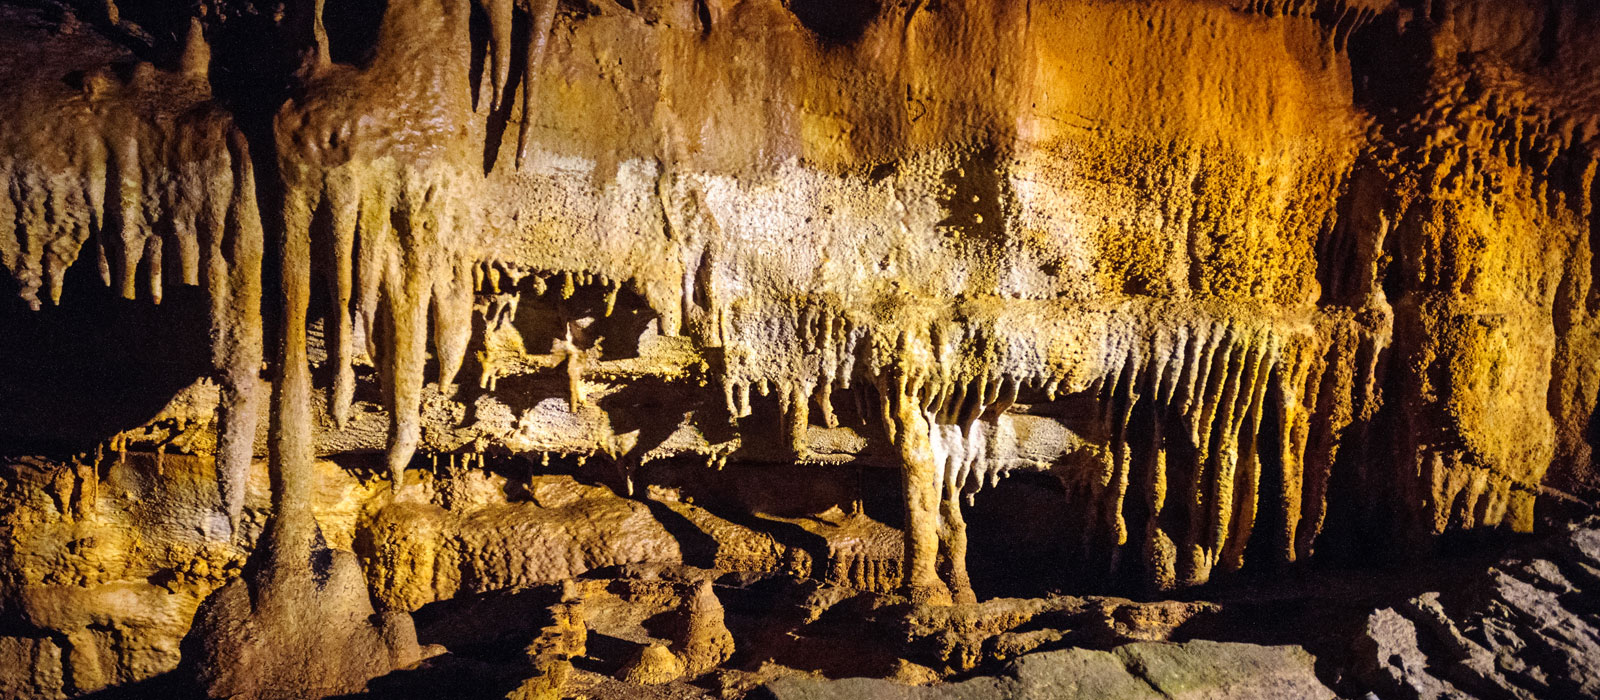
300	623
919	478
293	528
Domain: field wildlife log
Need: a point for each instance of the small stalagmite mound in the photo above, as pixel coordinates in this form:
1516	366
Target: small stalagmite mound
655	665
704	642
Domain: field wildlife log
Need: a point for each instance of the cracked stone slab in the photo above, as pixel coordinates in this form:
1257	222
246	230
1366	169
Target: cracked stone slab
1197	670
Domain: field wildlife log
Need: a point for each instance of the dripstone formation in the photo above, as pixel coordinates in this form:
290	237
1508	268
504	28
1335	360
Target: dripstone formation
727	348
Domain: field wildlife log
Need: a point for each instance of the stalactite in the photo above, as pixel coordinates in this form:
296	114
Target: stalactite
1331	384
1124	398
233	278
500	21
452	319
141	183
541	17
1246	490
1295	387
344	209
406	327
1159	548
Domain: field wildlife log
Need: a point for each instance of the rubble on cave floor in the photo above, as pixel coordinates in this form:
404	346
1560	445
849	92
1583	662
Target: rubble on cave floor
665	596
1521	625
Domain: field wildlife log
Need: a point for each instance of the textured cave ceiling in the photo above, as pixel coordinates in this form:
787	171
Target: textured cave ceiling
323	315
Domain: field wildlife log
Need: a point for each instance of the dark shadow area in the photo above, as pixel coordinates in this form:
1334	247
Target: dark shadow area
352	27
1389	63
1017	537
167	686
490	626
614	317
835	21
73	375
447	676
1264	552
698	548
768	618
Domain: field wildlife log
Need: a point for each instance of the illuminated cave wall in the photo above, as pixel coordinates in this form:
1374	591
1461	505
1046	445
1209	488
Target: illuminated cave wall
1231	272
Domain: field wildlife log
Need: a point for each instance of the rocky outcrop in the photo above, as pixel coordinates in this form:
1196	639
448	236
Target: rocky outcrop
420	553
1526	628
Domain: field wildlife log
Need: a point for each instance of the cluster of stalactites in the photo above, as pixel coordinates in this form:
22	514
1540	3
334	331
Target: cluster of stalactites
1478	125
1182	410
541	16
969	441
401	247
1343	17
803	351
1185	414
155	193
1204	383
1306	8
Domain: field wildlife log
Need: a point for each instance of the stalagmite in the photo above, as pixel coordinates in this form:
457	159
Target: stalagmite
953	545
574	368
195	63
